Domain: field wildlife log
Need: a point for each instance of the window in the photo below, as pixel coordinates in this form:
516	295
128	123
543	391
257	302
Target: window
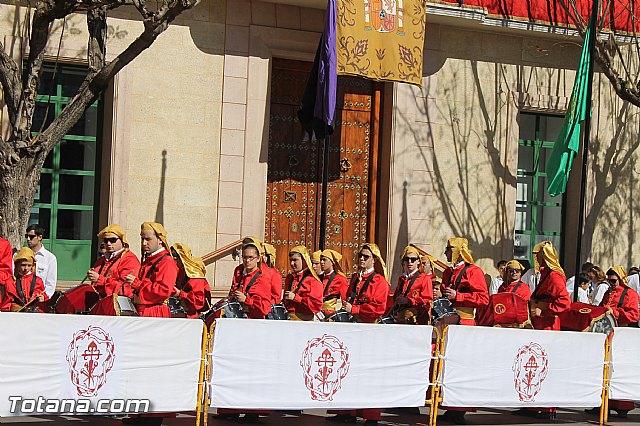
538	216
65	198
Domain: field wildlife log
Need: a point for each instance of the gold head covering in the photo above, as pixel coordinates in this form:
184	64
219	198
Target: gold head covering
270	251
158	229
378	263
115	230
302	251
550	256
25	253
460	248
514	264
412	250
620	272
253	241
335	258
193	266
315	257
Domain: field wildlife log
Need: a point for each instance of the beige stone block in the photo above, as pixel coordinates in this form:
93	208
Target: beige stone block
231	168
233	116
224	273
419	206
422	157
232	142
217	10
459	42
236	66
313	19
287	16
263	13
207	36
237	39
230	195
226	239
235	90
239	12
420	229
258	84
229	219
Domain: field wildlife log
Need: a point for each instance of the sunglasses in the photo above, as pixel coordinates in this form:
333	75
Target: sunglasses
410	259
613	281
363	256
111	240
30	236
513	271
249	257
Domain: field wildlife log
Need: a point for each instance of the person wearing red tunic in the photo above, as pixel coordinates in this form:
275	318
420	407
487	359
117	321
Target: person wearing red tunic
110	269
414	293
26	287
192	288
302	287
367	301
623	303
513	284
465	286
252	287
334	281
269	267
157	277
6	273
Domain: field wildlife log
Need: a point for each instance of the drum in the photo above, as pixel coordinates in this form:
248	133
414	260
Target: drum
340	316
176	308
114	306
77	300
585	317
224	308
386	320
504	310
443	313
278	312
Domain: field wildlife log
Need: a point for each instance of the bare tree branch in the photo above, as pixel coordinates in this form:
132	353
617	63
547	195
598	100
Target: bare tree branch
97	25
11	84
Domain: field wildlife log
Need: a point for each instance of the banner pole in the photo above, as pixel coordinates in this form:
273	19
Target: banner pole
203	353
604	407
207	397
438	381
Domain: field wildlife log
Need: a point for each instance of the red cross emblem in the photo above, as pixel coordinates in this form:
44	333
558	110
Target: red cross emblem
325	362
530	368
90	356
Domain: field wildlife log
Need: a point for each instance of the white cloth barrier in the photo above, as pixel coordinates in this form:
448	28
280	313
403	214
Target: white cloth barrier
625	364
501	367
93	358
261	364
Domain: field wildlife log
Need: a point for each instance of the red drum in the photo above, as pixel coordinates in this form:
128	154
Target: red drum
77	300
585	317
504	310
114	306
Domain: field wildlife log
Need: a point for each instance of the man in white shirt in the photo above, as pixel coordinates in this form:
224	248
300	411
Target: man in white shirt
498	280
46	262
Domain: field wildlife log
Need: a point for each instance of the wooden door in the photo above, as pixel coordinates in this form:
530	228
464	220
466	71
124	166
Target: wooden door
294	183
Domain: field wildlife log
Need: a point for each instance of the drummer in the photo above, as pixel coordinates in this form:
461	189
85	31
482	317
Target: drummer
108	274
513	283
26	286
302	287
269	265
464	285
414	293
334	281
252	287
192	287
315	262
157	276
550	296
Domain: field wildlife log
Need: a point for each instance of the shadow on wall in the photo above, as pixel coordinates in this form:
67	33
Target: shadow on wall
402	240
163	177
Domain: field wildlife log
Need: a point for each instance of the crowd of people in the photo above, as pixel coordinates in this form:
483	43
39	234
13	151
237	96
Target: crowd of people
317	289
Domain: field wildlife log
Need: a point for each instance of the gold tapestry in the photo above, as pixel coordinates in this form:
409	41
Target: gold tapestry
381	39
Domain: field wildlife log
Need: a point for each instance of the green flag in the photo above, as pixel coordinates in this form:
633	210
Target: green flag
568	141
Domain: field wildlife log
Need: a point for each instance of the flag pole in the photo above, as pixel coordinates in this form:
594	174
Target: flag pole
325	182
585	151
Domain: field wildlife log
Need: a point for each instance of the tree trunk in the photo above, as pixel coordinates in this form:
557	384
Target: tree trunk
17	190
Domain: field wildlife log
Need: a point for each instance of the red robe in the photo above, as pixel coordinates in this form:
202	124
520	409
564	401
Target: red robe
153	288
113	271
195	293
308	294
13	294
552	289
628	312
6	273
523	289
275	279
419	295
259	296
471	292
370	304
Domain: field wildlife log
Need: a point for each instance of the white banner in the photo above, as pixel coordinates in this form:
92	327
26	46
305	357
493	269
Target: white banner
501	367
86	360
625	364
282	365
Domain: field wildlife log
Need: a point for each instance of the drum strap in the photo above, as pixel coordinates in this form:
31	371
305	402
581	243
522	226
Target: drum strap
457	283
622	296
413	280
326	287
516	287
23	299
155	265
252	282
353	296
111	262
